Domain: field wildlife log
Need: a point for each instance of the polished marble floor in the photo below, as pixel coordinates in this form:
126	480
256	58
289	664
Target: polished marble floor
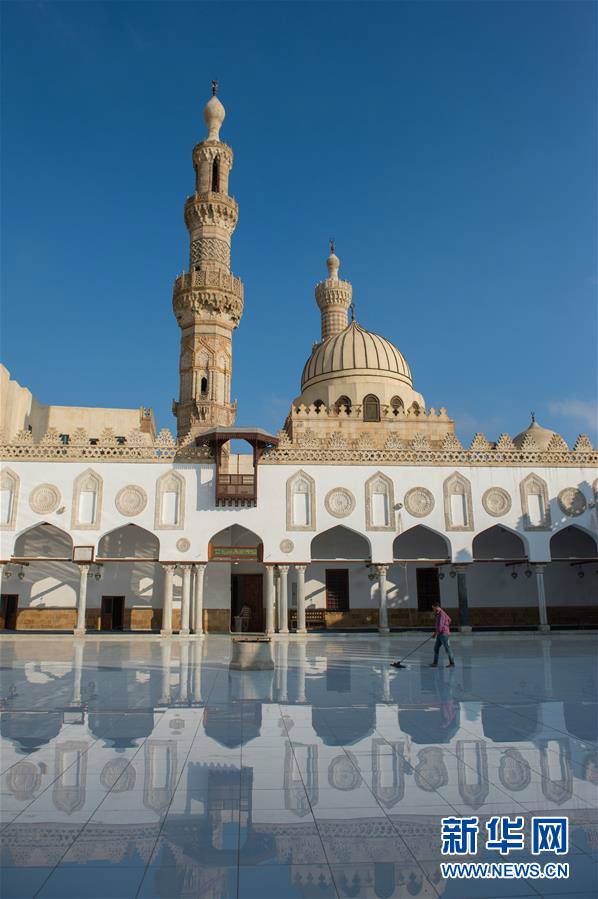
141	767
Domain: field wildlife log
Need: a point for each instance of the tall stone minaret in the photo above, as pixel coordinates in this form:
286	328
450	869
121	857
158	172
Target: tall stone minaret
208	300
333	296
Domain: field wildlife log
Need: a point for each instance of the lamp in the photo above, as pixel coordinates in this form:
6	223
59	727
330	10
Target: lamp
21	573
581	573
528	572
514	575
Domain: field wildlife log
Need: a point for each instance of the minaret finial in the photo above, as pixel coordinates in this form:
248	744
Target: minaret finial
333	262
352	311
214	114
214	88
332	244
533	417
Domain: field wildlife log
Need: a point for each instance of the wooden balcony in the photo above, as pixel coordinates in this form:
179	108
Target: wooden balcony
236	489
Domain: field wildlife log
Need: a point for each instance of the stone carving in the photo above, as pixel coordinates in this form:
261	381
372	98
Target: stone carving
301	484
419	502
496	501
9	481
528	444
505	444
457	485
339	502
87	482
420	442
44	499
337	441
393	442
572	502
479	443
379	483
209	249
131	500
534	485
582	444
451	443
287	546
556	444
183	545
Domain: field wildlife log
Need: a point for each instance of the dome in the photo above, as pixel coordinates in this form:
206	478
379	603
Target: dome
541	436
355	351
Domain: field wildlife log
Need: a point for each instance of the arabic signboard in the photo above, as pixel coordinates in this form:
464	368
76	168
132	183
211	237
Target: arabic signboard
235	553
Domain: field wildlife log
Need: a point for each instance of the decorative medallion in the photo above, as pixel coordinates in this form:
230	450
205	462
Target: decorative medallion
131	500
340	502
183	545
44	499
419	502
287	546
572	502
496	502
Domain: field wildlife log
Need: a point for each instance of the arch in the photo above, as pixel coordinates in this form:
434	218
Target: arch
235	535
397	405
341	543
44	541
371	408
415	408
343	401
301	502
421	542
170	502
203	386
498	542
9	495
87	501
129	542
216	175
318	406
573	542
534	503
458	507
379	503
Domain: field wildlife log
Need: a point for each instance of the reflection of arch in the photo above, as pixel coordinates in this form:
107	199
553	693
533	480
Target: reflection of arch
435	724
340	542
499	727
29	732
129	542
233	727
581	721
9	490
170	501
421	542
379	503
458	507
300	785
498	542
573	542
343	726
301	502
87	501
120	730
44	541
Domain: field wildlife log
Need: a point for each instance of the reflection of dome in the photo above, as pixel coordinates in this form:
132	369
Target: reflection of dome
355	351
541	436
118	775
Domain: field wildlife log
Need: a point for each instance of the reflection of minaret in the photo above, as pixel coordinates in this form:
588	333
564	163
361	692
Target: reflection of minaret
208	300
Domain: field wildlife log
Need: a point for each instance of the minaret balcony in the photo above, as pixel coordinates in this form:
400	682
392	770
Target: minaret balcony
211	208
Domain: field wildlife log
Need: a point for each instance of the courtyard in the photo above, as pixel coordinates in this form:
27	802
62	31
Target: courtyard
149	767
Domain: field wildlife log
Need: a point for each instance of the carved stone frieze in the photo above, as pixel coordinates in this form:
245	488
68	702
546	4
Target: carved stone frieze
572	502
496	502
44	499
131	500
419	502
286	546
183	545
339	502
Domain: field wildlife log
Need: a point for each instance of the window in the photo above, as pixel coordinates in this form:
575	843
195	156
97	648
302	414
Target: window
318	405
534	503
371	408
414	408
337	589
397	405
9	493
87	506
87	501
379	503
216	175
301	502
343	401
204	386
458	508
170	501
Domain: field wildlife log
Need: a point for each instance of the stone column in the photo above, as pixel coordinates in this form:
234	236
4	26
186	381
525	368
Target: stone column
283	613
383	613
200	571
82	603
543	626
465	626
192	604
186	601
167	601
269	599
300	569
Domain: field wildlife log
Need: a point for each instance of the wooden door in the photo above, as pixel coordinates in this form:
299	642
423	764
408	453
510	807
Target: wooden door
247	592
9	611
428	588
106	617
337	589
118	613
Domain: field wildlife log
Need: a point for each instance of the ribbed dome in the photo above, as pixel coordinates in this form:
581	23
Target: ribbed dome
357	351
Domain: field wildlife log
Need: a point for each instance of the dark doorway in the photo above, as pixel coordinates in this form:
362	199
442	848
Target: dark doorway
247	603
113	613
337	589
428	588
9	610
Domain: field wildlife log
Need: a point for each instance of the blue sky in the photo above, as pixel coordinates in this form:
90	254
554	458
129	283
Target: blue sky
450	148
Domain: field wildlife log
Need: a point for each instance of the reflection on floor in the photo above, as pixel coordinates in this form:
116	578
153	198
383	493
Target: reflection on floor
149	768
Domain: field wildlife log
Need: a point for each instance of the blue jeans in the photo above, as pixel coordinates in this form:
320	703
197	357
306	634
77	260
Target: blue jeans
443	640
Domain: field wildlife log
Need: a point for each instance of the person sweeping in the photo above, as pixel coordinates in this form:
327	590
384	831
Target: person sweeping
443	631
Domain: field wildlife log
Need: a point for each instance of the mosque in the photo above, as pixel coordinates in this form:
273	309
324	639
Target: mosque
360	512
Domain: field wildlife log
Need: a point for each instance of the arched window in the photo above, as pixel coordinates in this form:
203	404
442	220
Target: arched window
9	495
343	401
371	408
204	386
170	501
458	508
87	501
415	408
318	405
301	507
534	503
379	503
216	175
397	405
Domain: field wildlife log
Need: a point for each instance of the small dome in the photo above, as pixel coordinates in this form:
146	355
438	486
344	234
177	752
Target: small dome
357	351
213	115
541	436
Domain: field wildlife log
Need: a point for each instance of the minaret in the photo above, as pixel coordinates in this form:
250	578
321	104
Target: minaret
208	300
333	296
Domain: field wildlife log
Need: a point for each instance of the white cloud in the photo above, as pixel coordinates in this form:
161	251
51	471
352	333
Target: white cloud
583	411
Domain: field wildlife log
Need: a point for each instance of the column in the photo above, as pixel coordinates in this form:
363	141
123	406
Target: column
269	599
383	614
283	614
82	604
543	626
186	601
461	570
200	571
192	605
167	601
300	569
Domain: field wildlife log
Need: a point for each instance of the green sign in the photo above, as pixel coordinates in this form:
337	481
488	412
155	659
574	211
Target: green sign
234	553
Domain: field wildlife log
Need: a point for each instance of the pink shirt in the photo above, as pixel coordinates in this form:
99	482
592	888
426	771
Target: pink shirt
443	622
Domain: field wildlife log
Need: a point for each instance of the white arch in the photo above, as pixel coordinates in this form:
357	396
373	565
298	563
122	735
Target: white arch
429	530
340	527
503	527
45	531
127	530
